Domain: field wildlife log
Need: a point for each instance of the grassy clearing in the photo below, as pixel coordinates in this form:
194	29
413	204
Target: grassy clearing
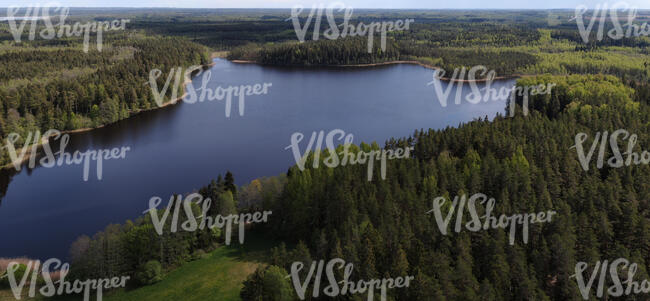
218	276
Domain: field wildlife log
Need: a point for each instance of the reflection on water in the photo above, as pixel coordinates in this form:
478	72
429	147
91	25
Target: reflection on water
106	137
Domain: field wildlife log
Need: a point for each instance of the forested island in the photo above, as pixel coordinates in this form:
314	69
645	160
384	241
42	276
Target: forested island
527	162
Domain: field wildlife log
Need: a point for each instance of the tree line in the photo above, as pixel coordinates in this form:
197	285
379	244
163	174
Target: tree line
66	89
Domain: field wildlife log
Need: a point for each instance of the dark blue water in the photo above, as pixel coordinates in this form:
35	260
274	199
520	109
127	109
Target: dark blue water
180	148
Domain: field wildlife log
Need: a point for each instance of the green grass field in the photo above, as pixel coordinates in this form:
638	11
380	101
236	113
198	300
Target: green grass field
218	276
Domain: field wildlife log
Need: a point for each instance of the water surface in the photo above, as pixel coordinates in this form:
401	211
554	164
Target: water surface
178	149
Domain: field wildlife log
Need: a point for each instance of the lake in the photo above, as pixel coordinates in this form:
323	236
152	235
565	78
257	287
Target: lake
178	149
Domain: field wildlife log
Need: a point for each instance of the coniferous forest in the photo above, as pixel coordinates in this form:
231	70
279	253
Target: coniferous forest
526	159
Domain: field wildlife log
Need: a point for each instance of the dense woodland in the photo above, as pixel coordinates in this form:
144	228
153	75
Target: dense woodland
525	162
510	46
46	87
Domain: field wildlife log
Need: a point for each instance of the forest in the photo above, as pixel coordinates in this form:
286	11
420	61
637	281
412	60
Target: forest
513	46
61	87
53	84
525	162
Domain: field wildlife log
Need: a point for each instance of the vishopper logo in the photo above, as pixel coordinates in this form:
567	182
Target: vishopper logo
192	94
60	287
193	223
31	144
481	74
617	160
346	287
490	222
36	13
345	156
345	29
602	13
620	287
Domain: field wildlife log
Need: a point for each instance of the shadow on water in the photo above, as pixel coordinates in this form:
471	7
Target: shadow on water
134	128
5	178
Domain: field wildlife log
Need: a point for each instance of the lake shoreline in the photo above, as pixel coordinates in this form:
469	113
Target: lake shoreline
223	55
45	140
309	100
399	62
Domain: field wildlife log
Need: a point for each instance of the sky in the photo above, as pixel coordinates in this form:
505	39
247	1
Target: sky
431	4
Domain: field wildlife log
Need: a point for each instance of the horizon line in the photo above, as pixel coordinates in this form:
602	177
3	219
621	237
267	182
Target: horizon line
289	8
